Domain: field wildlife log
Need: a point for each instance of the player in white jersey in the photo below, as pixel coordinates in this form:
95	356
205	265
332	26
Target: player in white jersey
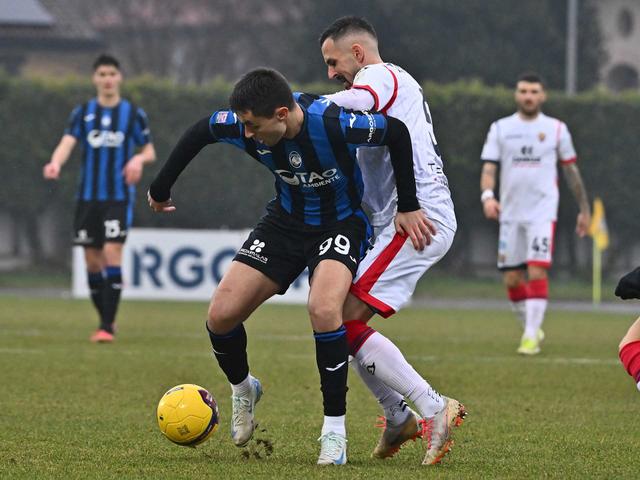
388	274
527	147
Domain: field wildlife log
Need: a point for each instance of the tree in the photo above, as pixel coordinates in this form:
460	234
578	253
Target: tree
490	40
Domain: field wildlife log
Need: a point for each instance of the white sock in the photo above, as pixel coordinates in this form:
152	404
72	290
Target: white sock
535	316
334	424
242	389
520	309
394	406
384	360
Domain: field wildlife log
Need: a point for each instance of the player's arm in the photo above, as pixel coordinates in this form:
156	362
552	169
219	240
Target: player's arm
629	285
490	206
61	154
133	168
410	219
576	185
353	99
192	141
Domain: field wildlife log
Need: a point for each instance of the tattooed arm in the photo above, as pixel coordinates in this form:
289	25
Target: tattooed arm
574	180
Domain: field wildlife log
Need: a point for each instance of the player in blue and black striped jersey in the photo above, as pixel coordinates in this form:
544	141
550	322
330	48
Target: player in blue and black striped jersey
315	221
110	130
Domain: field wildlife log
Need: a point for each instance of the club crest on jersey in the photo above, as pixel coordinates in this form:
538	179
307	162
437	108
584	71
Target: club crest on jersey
106	121
295	159
221	117
541	136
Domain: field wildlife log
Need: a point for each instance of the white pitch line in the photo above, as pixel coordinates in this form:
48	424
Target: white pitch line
20	351
511	359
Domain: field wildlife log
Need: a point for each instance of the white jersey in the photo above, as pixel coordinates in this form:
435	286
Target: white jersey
528	152
393	91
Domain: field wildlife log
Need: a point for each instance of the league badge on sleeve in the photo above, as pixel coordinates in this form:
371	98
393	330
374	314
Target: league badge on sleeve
221	117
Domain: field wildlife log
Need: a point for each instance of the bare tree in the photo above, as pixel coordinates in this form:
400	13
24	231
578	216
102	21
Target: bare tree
192	41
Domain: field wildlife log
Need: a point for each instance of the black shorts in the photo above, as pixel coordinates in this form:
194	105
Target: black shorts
99	222
282	249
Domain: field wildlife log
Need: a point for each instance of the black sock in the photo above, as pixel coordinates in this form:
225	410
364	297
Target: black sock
96	287
231	352
332	357
112	291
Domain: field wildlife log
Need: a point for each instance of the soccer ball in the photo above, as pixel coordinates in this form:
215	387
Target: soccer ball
188	415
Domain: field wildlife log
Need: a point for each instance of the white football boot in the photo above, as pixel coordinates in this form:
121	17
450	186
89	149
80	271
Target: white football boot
242	419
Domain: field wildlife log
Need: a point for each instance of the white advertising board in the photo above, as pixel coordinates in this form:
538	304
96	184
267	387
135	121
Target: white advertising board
160	264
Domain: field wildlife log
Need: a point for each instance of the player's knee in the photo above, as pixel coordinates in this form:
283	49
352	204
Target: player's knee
222	318
325	315
537	273
628	338
514	279
623	342
357	332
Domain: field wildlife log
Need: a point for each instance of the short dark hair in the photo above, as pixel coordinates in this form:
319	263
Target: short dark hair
261	91
105	59
345	25
531	77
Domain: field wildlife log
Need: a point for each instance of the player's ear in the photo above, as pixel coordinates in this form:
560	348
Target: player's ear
281	113
358	52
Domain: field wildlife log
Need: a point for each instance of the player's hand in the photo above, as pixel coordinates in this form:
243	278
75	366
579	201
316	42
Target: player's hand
582	223
491	208
132	170
416	226
51	171
161	207
629	285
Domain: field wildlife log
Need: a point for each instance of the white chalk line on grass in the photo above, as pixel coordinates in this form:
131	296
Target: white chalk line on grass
21	351
544	360
296	338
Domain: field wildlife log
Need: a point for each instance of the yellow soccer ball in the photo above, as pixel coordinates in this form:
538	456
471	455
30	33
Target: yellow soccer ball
188	415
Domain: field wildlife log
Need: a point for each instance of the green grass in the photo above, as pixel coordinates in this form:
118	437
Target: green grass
442	285
70	409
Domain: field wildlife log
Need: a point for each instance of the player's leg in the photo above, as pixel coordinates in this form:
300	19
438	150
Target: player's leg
241	290
88	235
515	282
539	255
512	262
94	261
330	284
268	262
332	258
400	423
386	279
115	225
112	252
629	351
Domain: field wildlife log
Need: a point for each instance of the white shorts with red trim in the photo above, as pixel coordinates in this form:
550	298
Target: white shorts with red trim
388	274
526	243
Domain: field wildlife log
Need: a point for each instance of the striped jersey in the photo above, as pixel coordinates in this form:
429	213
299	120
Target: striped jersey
317	178
109	137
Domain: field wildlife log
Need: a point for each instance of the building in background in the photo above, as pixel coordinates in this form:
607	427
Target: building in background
45	37
620	27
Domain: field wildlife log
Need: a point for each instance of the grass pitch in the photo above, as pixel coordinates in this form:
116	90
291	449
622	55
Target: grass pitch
70	409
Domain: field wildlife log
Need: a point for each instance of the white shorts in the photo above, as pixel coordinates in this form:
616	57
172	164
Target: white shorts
526	243
388	274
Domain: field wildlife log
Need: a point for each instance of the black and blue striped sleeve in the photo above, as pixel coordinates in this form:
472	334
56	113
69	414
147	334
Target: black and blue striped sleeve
74	126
